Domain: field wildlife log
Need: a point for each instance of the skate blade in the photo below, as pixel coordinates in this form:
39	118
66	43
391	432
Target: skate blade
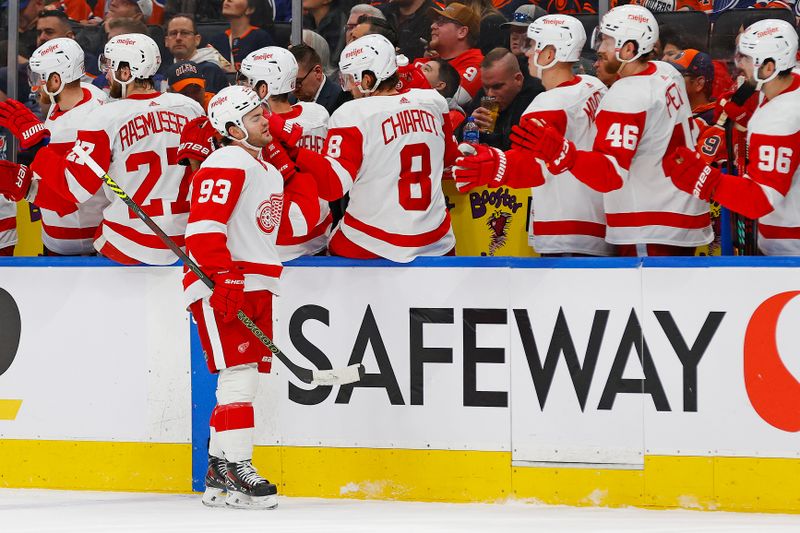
243	501
214	497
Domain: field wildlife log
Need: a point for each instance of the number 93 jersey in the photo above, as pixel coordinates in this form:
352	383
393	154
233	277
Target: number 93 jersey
389	151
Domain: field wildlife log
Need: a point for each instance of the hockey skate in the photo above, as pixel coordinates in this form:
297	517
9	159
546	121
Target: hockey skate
216	482
247	489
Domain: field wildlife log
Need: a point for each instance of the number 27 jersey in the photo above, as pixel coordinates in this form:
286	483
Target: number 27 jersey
388	152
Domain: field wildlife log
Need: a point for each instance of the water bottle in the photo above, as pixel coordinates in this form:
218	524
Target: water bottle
472	134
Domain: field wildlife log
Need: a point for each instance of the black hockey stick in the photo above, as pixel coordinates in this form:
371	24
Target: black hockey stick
745	233
349	374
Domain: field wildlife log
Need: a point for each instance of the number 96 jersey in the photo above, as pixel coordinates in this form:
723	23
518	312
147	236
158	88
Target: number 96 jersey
388	152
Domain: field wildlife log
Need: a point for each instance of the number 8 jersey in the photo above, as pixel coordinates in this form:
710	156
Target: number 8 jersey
389	151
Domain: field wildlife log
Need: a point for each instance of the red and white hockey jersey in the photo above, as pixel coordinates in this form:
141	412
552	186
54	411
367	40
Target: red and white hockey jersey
314	120
8	223
770	190
136	139
237	208
389	151
640	119
568	215
73	233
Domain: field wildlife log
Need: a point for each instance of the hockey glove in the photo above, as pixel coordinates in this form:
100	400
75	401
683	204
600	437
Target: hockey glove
546	143
198	140
15	180
22	123
480	165
738	105
277	156
228	295
691	174
284	132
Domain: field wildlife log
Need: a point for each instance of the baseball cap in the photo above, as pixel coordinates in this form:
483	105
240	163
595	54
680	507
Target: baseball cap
461	14
146	7
179	75
524	15
694	63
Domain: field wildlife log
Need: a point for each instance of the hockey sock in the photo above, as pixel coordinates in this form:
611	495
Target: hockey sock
234	424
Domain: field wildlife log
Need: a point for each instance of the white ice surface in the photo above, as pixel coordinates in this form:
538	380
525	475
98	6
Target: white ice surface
44	511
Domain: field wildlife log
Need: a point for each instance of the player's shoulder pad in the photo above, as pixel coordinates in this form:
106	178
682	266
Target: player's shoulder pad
314	110
97	93
180	100
779	116
230	157
431	96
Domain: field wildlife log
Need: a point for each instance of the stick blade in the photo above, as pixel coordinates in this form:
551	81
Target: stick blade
341	376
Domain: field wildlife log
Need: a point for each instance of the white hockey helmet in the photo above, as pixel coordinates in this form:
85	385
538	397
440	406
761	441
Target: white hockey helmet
769	39
564	33
273	65
373	53
60	56
230	105
137	50
629	23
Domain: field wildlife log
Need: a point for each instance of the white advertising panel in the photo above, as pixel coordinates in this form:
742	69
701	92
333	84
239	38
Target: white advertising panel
576	378
730	392
103	355
435	346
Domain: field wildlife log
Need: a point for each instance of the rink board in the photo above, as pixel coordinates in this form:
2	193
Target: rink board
656	382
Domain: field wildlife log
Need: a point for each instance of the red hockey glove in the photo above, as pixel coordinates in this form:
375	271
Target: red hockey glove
228	295
738	105
480	165
711	145
15	180
277	156
198	140
22	123
691	174
546	143
284	132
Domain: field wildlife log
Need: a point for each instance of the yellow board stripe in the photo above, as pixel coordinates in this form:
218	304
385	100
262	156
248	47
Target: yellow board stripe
117	466
9	409
703	483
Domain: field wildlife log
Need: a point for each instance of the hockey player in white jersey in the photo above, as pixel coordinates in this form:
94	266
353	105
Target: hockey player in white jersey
568	216
8	222
644	117
388	149
271	72
238	204
769	189
56	68
136	139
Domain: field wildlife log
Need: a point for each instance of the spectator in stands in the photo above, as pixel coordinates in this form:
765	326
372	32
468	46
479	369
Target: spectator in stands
502	79
411	21
698	73
355	13
443	78
52	24
242	37
28	16
670	42
129	9
490	36
77	10
312	84
326	18
454	37
517	29
181	39
368	25
187	79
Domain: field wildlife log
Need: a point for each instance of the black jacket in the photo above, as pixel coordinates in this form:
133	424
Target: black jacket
509	116
331	27
329	95
411	30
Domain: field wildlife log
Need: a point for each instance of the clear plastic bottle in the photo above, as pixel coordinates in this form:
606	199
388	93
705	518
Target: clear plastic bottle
472	134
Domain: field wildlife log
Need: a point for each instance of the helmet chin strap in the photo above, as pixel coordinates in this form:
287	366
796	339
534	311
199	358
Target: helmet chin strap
53	94
124	84
759	81
542	68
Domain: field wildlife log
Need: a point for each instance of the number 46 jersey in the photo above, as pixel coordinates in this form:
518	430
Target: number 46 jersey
388	151
136	140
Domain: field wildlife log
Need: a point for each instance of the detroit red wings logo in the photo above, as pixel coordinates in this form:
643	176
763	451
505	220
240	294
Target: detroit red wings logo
268	214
